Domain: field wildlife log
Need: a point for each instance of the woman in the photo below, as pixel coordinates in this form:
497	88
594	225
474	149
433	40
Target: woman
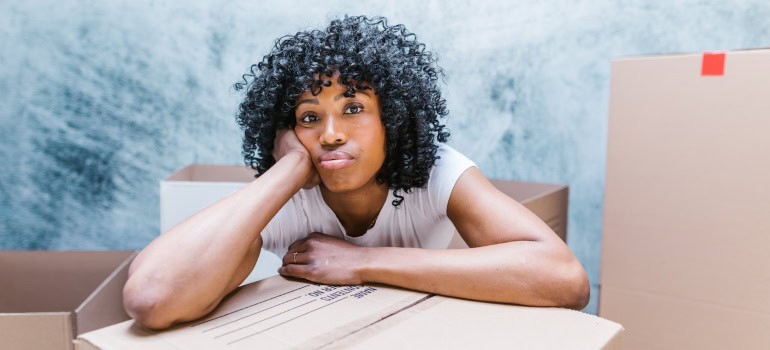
354	186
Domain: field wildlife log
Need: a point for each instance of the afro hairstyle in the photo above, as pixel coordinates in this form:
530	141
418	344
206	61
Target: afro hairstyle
389	58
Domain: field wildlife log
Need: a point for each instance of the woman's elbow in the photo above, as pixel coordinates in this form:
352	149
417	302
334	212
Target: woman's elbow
578	291
145	309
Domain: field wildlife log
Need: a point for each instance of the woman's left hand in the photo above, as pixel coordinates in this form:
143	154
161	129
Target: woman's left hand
324	259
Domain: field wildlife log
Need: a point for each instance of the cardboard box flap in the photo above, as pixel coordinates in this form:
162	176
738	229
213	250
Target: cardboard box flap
44	330
213	173
101	308
33	281
525	191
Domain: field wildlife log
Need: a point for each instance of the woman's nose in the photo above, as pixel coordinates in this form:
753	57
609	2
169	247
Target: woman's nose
333	133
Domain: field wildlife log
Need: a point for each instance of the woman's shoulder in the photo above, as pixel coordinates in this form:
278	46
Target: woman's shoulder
448	156
449	166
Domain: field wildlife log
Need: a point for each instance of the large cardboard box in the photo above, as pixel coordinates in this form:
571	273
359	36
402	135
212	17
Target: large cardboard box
49	297
197	186
277	313
685	262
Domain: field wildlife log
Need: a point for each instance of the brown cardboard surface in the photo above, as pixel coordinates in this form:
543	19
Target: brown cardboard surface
428	325
29	278
548	201
687	203
703	325
277	313
213	173
39	330
105	305
47	295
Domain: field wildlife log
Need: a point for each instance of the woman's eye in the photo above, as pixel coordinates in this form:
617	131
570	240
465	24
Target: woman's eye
353	109
308	118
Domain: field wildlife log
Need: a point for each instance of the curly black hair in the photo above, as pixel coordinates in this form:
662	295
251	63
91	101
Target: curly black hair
389	58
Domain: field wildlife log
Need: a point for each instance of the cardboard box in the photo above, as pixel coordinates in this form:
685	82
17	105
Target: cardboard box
277	313
197	186
49	297
685	261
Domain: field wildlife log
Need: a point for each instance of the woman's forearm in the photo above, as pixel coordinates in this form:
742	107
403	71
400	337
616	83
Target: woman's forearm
188	269
522	272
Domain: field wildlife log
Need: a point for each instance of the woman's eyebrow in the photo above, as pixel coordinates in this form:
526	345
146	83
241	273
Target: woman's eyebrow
309	100
336	98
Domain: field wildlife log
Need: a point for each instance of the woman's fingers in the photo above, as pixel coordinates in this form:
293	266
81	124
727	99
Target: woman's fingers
294	270
286	141
297	252
295	258
299	245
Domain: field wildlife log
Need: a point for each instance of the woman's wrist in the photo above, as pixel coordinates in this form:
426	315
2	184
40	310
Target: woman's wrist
299	168
372	263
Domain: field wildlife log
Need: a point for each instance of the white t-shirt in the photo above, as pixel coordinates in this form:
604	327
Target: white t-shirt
419	222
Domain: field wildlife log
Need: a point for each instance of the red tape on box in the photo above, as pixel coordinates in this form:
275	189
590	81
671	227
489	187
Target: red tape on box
713	64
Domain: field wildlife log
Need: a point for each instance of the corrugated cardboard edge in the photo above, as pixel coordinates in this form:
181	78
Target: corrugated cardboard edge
82	344
149	340
616	342
104	306
683	53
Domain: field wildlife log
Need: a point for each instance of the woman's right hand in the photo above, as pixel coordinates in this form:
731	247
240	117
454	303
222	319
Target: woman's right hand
286	141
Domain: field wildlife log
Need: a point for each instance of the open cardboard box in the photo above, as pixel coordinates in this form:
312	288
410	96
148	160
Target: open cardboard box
278	313
49	297
686	239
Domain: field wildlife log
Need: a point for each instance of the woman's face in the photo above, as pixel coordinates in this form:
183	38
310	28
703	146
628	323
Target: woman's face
344	135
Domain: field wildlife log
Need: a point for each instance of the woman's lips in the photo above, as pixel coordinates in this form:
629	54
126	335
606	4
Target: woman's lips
335	160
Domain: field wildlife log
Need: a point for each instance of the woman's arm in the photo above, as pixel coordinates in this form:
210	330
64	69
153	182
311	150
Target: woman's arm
514	256
185	272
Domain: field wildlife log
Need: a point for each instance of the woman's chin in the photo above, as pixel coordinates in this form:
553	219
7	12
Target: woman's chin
338	186
333	188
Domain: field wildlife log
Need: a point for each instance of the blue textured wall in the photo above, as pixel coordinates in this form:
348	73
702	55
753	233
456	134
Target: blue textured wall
98	102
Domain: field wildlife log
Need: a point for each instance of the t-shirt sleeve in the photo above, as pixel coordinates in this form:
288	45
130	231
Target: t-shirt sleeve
444	175
284	228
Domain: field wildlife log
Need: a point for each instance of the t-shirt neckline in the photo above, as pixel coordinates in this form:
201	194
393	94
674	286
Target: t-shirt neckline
386	207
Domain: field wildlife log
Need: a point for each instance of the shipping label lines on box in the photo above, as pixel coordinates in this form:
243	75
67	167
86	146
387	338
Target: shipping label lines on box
275	313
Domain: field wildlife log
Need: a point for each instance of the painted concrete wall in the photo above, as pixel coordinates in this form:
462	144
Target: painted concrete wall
98	102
